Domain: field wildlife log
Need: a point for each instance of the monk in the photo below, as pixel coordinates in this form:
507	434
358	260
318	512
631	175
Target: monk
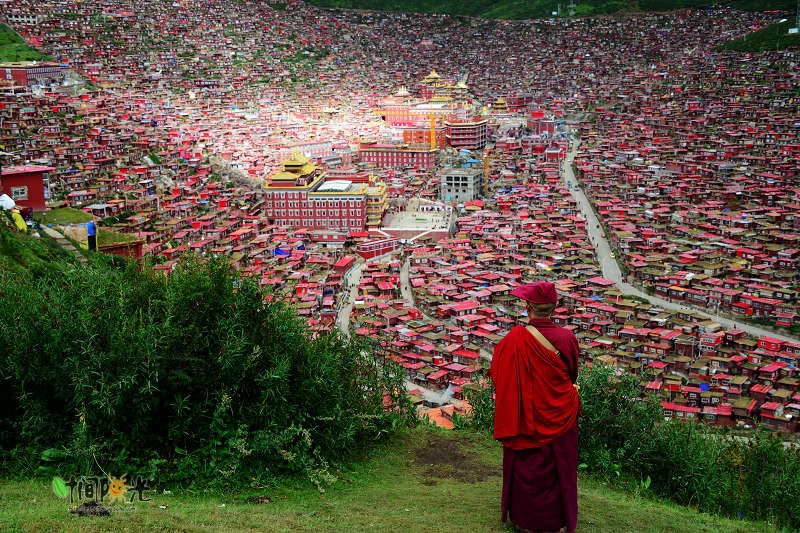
534	370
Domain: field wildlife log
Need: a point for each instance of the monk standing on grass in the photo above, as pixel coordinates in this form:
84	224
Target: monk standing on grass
534	370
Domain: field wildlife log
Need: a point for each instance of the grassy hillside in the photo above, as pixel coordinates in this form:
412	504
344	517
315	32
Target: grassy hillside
521	9
425	480
190	380
13	48
774	37
22	255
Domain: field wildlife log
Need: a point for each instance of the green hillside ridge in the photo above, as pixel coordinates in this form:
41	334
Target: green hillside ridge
13	48
24	255
192	381
773	37
523	9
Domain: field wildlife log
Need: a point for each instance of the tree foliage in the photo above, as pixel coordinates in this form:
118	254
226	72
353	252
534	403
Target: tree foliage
523	9
187	377
626	441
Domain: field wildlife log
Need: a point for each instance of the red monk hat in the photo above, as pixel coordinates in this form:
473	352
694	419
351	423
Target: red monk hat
538	292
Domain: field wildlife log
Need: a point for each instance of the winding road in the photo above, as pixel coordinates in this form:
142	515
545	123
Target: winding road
608	264
612	272
351	279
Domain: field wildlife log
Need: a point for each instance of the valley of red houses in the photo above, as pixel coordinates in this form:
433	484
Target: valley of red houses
307	145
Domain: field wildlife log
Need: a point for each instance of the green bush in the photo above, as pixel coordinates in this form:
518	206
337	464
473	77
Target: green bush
691	464
615	426
626	440
189	377
479	394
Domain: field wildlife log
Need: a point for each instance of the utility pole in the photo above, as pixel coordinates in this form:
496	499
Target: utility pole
796	28
797	20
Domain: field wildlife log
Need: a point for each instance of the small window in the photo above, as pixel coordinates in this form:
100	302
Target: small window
19	193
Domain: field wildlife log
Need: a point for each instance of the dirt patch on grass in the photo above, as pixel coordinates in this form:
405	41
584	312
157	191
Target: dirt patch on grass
445	457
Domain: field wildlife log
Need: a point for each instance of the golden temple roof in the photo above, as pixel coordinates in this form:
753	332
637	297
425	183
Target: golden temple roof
433	76
298	166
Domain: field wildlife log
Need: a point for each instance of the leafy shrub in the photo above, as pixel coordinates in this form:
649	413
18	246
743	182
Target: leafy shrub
191	377
691	464
479	393
615	425
626	440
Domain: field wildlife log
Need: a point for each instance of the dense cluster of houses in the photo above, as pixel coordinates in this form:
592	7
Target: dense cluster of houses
175	114
702	202
462	307
251	83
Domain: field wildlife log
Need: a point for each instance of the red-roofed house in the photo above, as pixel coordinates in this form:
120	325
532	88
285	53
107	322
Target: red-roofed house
719	415
27	185
770	343
680	411
772	415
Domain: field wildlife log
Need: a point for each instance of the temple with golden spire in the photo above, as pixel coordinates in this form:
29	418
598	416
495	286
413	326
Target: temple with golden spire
434	88
301	195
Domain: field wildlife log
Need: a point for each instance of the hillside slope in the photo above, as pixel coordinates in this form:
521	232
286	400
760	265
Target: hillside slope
424	477
522	9
23	254
426	480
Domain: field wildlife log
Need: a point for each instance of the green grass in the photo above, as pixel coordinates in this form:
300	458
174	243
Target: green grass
106	236
13	48
21	255
425	480
64	215
522	9
773	37
69	215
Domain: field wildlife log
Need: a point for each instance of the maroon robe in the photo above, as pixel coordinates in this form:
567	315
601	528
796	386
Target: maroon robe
536	419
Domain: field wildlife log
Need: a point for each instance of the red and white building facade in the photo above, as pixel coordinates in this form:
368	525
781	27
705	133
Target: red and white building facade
301	196
28	74
27	185
468	134
396	156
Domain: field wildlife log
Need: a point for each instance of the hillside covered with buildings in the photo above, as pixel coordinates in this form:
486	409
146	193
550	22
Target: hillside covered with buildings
401	173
